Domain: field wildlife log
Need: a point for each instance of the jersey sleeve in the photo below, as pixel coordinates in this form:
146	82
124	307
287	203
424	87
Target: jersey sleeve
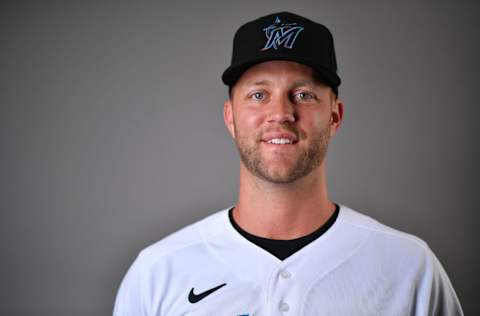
436	296
130	299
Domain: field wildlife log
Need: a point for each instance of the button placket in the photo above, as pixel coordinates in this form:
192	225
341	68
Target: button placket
284	275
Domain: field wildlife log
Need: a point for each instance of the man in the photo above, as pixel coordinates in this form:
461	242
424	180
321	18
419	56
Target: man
285	248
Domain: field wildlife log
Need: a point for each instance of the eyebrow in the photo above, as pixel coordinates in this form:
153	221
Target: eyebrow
303	82
261	83
298	83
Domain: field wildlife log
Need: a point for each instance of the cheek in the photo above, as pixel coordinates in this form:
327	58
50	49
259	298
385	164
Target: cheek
315	119
248	121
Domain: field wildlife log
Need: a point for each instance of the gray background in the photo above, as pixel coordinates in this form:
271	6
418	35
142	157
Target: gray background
112	135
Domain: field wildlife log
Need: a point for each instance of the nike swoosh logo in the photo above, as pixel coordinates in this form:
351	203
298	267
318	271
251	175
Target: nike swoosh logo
194	298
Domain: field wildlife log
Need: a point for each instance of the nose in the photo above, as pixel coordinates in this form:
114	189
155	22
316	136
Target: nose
281	110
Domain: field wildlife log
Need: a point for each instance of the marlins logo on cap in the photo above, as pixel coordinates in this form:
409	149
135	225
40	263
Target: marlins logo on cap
281	33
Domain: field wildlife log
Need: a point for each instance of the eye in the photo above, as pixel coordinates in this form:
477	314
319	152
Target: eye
257	95
304	96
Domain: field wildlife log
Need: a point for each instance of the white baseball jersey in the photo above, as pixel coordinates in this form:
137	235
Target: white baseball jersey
358	267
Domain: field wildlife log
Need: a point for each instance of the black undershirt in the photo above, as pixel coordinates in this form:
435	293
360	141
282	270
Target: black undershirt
283	249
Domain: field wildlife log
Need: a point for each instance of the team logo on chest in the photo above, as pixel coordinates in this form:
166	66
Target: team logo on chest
281	34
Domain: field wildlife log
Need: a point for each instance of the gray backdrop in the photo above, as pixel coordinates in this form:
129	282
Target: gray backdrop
112	135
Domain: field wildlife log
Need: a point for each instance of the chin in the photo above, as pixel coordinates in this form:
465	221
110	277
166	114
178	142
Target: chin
278	175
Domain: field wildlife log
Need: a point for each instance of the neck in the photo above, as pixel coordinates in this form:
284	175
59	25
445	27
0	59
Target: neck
283	211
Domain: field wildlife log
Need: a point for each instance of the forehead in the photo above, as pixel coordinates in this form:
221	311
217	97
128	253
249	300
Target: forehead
277	72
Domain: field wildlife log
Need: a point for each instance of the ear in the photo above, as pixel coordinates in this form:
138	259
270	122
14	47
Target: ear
228	117
336	116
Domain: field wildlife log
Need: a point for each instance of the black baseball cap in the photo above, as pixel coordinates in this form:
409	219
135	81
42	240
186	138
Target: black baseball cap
283	36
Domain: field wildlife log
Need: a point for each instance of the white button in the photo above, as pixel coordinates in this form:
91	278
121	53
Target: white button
283	307
285	274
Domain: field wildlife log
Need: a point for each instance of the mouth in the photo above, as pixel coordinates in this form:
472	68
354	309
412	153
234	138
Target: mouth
279	139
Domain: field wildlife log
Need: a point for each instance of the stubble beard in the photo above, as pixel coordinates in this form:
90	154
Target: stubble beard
305	163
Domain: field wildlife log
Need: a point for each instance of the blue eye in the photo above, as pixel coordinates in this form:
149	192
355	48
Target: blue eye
304	96
258	95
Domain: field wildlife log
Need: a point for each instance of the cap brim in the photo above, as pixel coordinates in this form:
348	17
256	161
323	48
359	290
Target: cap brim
233	73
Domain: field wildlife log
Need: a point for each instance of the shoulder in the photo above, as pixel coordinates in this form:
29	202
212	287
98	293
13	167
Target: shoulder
185	240
150	274
396	251
381	234
409	260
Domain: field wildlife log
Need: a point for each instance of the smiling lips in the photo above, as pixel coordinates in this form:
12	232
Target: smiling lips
280	141
280	138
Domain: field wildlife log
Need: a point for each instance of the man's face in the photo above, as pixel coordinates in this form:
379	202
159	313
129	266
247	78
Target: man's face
281	120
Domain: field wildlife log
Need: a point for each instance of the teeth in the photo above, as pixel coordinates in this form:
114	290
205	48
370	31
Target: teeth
280	141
